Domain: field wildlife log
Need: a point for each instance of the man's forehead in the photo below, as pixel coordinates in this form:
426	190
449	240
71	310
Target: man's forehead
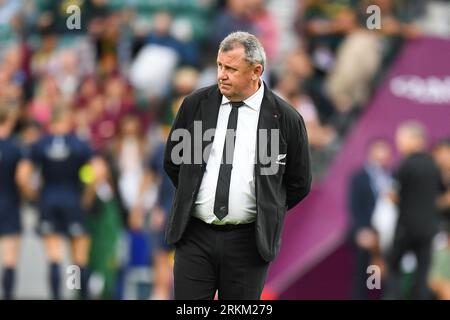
235	55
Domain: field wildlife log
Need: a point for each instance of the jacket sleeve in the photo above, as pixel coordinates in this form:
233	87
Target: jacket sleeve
298	165
356	200
172	169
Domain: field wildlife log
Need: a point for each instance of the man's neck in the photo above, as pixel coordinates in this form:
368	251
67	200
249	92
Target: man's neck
414	151
255	88
4	133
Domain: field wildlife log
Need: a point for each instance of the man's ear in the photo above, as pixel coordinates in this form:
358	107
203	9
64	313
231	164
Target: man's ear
257	71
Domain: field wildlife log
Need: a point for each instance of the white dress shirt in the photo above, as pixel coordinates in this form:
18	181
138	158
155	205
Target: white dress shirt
242	199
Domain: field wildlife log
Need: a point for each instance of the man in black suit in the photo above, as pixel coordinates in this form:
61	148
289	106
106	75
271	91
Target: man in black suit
367	184
238	156
418	181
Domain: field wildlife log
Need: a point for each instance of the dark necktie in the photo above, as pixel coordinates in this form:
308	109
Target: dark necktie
223	182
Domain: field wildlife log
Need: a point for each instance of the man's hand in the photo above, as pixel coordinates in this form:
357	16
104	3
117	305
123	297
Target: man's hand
393	195
367	238
444	200
136	219
157	219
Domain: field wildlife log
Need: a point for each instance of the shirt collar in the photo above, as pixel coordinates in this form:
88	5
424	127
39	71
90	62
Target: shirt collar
254	101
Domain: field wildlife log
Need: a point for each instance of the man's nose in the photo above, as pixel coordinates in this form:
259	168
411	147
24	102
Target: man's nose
221	75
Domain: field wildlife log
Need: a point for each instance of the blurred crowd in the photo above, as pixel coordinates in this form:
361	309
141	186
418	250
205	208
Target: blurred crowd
118	78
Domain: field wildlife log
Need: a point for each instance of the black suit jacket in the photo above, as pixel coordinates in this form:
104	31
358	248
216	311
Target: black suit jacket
419	186
361	201
275	193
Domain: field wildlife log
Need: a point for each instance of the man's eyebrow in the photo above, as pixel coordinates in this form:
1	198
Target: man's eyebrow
226	65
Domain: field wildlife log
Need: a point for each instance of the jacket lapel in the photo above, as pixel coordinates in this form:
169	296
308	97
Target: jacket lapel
269	118
209	112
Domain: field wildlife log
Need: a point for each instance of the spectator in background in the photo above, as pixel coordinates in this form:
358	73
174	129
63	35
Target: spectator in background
348	58
9	10
104	223
161	35
29	133
60	156
92	125
11	94
299	62
439	279
68	75
119	100
155	175
9	21
367	185
357	61
266	27
13	61
156	59
88	89
129	153
235	16
45	55
107	45
418	187
441	153
289	88
11	178
324	24
360	55
184	82
14	78
322	138
47	97
105	111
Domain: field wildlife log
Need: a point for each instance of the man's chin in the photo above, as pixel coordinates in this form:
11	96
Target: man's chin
224	91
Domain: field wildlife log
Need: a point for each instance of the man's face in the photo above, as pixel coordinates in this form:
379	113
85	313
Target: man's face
442	157
237	78
63	125
380	153
405	141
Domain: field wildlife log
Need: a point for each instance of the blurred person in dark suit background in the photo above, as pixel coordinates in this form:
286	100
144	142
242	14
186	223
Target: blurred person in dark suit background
441	153
367	184
439	278
417	190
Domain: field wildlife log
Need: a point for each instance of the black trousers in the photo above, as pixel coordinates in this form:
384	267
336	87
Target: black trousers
218	258
361	262
422	250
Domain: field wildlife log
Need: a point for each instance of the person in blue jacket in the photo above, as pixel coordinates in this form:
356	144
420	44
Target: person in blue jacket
60	156
11	162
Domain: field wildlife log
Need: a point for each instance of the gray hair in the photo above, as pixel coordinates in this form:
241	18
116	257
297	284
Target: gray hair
254	51
413	128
